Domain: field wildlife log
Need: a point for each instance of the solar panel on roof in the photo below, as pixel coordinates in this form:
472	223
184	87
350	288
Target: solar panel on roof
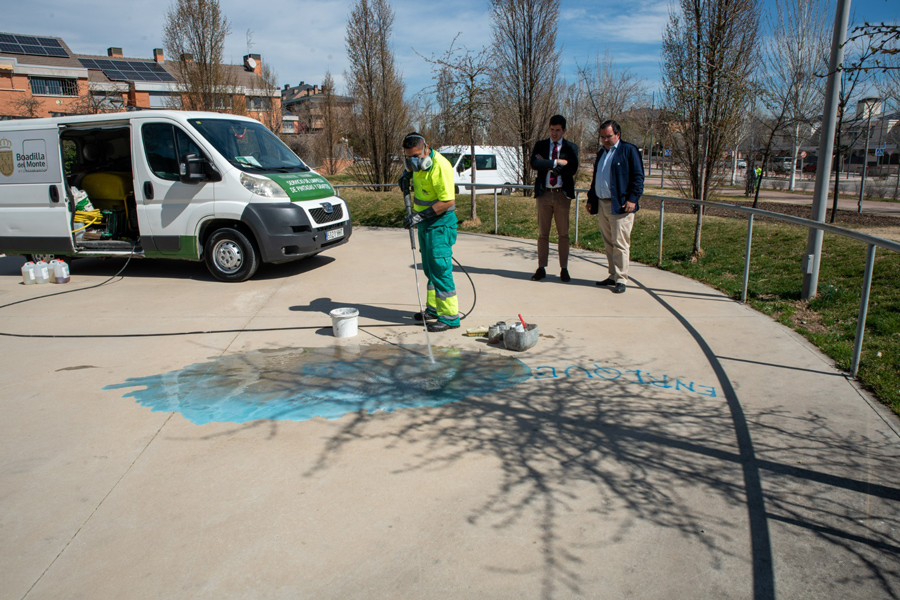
128	70
29	44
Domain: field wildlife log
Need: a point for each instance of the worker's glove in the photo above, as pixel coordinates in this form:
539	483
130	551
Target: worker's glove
414	219
404	182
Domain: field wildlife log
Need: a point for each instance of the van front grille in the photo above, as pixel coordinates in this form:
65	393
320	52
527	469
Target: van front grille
320	216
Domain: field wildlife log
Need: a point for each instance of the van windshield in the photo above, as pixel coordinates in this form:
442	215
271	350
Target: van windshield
249	146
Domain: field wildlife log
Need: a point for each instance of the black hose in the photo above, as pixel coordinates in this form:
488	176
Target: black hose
474	293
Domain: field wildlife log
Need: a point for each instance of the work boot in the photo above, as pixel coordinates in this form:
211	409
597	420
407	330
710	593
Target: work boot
539	274
429	316
439	326
564	276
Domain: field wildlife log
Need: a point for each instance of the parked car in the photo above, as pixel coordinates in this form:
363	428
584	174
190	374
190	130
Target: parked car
741	163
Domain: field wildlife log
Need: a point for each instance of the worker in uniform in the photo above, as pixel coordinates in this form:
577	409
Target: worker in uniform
434	216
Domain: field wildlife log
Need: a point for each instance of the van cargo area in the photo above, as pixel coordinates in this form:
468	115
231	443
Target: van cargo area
98	163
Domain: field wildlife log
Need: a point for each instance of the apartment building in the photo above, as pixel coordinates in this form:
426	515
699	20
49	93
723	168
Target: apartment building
41	77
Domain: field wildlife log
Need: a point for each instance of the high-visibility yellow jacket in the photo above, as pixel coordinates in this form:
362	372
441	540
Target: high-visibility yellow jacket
434	185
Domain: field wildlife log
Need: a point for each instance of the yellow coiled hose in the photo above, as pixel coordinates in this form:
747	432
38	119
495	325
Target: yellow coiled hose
89	217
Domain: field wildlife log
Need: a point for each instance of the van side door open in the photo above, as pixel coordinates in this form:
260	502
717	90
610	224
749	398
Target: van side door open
36	212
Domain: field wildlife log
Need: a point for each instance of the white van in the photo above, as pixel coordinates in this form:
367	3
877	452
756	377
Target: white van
171	184
494	165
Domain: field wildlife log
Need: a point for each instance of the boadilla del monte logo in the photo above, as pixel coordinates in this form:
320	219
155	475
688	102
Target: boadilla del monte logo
7	166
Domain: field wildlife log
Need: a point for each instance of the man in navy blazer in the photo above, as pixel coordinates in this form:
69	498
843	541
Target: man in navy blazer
614	196
556	163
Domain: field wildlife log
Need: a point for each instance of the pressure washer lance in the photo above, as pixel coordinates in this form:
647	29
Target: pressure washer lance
412	242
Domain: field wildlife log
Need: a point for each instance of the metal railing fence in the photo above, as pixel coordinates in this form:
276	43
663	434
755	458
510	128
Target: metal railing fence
872	242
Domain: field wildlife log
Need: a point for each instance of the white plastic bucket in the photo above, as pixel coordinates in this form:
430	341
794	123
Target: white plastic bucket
344	322
28	273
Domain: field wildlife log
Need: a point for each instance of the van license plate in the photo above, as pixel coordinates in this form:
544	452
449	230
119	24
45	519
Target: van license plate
334	234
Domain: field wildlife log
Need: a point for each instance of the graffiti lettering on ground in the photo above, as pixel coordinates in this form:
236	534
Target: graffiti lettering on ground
632	376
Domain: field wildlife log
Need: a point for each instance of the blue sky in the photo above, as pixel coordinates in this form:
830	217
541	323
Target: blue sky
302	39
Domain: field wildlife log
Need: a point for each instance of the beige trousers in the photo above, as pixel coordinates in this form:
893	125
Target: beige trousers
553	205
616	230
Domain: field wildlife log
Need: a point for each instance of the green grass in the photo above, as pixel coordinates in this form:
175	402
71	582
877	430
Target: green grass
828	321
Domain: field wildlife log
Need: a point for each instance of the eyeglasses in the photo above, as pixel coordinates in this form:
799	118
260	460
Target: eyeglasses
606	137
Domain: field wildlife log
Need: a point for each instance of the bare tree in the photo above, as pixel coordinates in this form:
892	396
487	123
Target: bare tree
332	126
527	68
709	49
794	61
28	106
375	84
608	91
853	74
194	35
464	75
889	88
573	107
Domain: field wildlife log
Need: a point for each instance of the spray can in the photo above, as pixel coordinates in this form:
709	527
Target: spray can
28	273
59	271
41	272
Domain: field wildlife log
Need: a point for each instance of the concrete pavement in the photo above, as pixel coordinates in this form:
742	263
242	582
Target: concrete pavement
663	443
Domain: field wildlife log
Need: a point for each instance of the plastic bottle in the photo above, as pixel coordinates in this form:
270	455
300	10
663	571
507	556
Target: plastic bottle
51	266
59	272
28	273
41	272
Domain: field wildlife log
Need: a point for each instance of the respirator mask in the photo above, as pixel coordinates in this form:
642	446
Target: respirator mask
418	163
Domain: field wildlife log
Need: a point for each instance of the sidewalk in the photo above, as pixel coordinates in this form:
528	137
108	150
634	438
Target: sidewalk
663	443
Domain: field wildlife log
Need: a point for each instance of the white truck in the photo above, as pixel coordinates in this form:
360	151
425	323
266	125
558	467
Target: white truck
171	184
494	165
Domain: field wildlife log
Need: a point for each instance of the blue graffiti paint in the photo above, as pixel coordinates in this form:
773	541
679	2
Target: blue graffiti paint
612	374
296	384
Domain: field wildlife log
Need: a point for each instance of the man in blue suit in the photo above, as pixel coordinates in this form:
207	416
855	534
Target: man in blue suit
614	196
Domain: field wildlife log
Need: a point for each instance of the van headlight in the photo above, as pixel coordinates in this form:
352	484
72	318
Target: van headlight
262	186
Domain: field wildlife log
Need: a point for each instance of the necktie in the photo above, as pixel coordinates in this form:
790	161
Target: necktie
554	155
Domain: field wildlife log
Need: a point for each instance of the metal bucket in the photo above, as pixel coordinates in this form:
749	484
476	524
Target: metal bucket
520	340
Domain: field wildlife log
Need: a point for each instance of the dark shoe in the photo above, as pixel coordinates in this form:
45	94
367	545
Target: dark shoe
428	316
564	276
619	289
539	274
608	282
439	326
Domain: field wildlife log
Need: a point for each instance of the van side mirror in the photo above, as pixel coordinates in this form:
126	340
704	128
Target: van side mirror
194	169
460	167
190	169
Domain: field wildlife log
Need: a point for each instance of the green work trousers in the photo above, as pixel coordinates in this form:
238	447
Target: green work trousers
436	239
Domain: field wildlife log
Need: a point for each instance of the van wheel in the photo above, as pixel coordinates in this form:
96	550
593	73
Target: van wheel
506	191
48	257
230	256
